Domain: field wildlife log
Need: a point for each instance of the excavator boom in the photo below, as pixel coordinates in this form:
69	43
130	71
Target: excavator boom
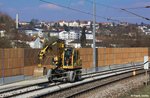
59	44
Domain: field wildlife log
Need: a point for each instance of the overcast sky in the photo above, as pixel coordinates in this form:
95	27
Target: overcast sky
29	9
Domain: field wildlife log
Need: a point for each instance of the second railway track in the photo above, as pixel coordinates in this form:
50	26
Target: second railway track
43	89
79	88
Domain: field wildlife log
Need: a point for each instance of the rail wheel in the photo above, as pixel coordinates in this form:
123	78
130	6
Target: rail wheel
72	75
78	77
49	75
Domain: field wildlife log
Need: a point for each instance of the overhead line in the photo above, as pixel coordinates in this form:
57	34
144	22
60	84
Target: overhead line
109	19
138	7
102	4
123	9
136	14
135	8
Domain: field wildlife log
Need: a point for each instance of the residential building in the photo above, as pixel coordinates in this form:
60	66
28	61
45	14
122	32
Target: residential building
89	43
35	43
71	35
75	44
89	36
74	24
62	23
124	23
85	23
53	33
107	23
64	35
40	32
24	23
2	33
144	29
33	32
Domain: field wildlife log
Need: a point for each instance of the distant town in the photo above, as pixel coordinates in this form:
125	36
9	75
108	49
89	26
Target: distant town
35	34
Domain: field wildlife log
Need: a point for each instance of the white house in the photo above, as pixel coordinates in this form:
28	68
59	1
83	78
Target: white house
69	23
71	35
54	33
145	29
85	23
64	35
75	44
36	43
2	33
40	32
89	36
74	35
24	23
32	32
61	23
74	24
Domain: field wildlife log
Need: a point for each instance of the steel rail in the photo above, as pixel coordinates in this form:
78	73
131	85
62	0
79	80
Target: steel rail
47	85
63	87
83	75
26	89
75	92
78	93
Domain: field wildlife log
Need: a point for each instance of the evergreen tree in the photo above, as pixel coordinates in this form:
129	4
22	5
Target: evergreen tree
83	38
34	22
66	28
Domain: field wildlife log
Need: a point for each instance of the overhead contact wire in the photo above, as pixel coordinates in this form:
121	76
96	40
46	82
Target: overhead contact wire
108	19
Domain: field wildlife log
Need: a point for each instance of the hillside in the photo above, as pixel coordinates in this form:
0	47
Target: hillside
7	26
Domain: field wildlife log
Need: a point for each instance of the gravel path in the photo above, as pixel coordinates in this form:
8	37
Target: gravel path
117	89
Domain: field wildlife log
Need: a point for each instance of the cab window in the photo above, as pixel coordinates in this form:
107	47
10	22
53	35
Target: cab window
67	57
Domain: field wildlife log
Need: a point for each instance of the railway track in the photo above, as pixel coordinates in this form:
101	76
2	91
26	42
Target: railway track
25	89
44	89
80	88
97	84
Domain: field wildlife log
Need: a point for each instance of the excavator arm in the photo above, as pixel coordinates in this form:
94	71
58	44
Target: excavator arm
59	44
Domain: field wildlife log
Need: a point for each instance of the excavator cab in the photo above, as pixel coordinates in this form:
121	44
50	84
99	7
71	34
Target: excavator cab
68	57
71	59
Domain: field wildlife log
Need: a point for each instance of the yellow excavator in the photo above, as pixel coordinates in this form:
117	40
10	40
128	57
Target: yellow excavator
65	65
